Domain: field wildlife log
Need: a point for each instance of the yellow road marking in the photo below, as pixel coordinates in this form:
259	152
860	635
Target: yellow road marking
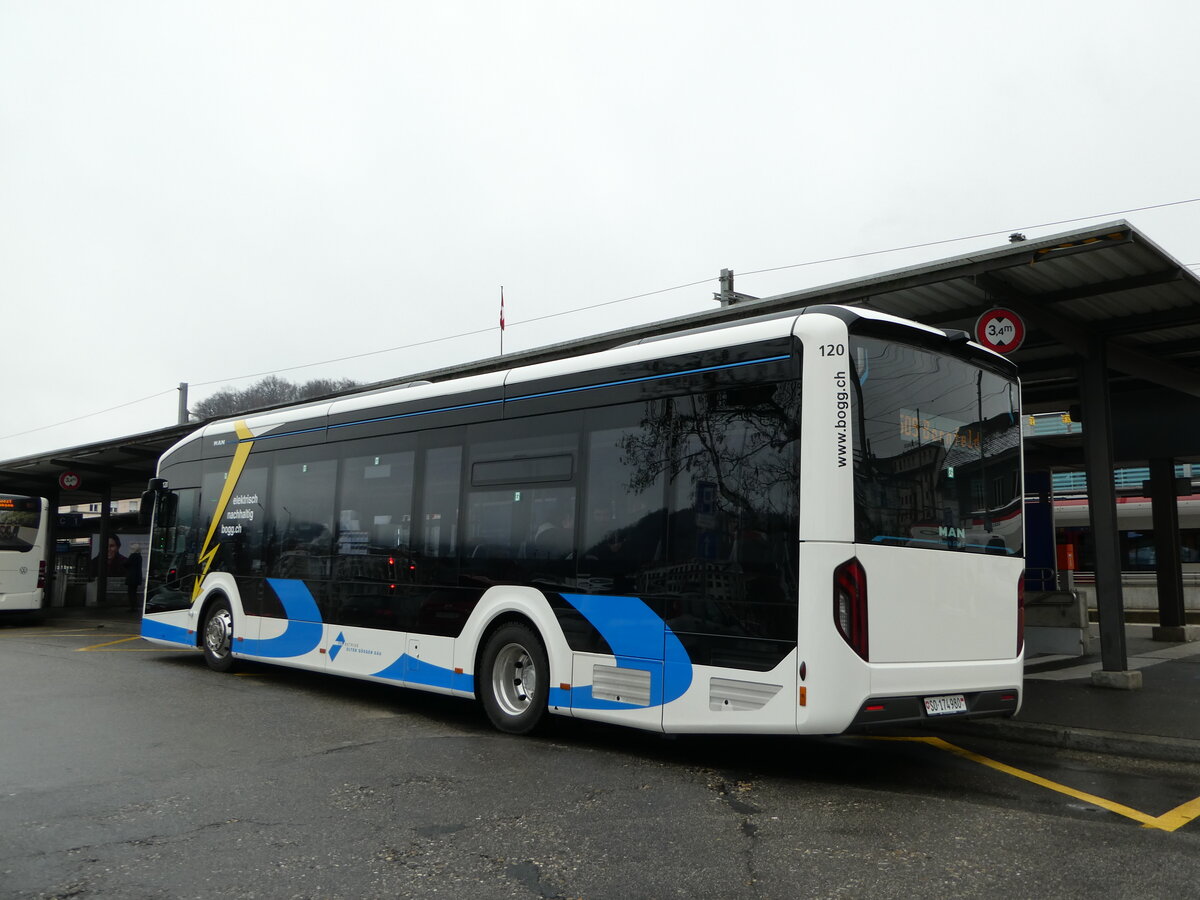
1111	806
1179	816
136	637
140	650
66	632
125	640
1169	821
91	632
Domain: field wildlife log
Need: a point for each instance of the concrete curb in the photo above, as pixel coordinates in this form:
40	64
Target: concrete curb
1145	746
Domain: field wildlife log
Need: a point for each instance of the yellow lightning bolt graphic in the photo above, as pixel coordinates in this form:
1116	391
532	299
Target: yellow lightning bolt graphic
209	552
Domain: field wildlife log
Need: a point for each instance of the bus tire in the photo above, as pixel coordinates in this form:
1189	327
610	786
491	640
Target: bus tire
217	636
514	679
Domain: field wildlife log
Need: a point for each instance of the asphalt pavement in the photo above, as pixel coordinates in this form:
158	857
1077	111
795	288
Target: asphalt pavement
1061	706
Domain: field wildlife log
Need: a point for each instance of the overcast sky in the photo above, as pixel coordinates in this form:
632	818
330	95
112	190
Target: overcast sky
200	191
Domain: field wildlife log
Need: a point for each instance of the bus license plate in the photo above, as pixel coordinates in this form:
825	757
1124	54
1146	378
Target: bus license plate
945	706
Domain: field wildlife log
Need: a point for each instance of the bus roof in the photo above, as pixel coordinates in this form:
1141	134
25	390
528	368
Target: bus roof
315	415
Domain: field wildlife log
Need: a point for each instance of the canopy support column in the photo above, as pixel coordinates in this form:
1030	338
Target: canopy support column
1102	511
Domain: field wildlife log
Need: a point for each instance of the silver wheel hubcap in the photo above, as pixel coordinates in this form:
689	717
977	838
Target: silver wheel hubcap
514	679
218	633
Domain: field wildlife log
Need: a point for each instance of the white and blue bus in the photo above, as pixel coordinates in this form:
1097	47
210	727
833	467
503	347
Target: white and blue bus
24	533
807	523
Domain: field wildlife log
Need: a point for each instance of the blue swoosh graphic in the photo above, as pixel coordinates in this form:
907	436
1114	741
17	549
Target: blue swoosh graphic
635	633
410	670
627	623
559	697
304	629
163	632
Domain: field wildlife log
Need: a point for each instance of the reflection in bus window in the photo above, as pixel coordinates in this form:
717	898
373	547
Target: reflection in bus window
375	513
937	447
301	516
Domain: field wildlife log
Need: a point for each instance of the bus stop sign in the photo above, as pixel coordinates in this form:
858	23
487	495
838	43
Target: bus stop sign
1001	330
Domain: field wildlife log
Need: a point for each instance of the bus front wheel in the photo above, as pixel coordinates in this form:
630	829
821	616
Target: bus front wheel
218	637
514	679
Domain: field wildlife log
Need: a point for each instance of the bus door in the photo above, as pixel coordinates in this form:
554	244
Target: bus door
296	556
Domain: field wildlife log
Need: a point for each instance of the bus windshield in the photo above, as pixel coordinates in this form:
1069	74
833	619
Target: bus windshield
20	519
937	451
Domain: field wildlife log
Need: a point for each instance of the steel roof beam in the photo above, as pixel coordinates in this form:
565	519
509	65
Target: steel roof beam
1077	337
1153	321
143	452
98	468
1102	289
1117	286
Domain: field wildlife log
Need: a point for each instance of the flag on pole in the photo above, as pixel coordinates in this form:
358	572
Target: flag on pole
501	308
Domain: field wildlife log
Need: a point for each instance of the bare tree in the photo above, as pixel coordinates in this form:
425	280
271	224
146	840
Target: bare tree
270	391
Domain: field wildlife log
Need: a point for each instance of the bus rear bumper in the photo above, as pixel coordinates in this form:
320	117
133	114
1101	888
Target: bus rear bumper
21	602
931	709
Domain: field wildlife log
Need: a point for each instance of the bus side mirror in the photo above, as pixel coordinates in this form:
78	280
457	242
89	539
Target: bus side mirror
146	509
155	489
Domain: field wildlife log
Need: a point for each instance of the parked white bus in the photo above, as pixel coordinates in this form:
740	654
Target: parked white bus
24	531
808	523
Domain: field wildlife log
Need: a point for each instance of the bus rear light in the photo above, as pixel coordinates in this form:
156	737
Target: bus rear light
1020	614
41	574
850	605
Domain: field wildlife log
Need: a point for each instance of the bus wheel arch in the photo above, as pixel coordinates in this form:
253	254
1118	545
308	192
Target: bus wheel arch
215	634
512	675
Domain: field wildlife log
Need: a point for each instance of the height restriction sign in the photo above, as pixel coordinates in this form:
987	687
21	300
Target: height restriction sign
1001	330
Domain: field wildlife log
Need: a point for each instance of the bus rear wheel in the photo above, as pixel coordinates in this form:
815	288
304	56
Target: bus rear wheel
514	679
218	637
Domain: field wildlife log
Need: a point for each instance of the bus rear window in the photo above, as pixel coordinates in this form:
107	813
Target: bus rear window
19	521
937	451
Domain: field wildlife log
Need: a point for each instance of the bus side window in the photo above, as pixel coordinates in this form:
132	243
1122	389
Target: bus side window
624	516
301	520
374	514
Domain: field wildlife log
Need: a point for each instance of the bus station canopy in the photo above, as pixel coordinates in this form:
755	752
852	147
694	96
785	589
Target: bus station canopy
1107	285
1108	282
116	469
